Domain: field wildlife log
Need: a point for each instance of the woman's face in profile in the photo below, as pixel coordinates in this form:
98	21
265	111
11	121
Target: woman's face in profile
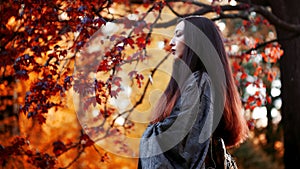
177	42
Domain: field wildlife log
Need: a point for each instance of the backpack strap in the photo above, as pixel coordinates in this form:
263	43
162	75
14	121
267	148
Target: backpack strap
218	157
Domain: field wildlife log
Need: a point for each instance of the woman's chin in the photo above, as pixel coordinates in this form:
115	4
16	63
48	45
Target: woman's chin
176	57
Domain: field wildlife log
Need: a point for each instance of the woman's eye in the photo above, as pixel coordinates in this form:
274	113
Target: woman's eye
178	34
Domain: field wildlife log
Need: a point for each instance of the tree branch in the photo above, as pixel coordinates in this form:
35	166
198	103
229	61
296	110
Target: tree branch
260	45
197	3
273	19
140	101
256	2
204	10
231	16
74	160
166	24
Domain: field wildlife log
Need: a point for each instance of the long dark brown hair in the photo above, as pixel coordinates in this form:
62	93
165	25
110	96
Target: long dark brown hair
232	127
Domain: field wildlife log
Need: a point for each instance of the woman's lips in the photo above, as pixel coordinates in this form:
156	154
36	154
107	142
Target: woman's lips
173	51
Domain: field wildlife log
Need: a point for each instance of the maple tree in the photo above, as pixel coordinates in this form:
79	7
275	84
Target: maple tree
44	51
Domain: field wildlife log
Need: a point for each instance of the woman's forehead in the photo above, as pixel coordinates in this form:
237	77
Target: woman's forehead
179	26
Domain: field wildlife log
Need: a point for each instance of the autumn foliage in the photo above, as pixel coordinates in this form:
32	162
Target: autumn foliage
44	58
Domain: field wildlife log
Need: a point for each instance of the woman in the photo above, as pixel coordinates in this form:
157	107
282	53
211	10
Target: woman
201	102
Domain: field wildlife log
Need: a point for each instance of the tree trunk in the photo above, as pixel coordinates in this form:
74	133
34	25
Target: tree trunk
289	10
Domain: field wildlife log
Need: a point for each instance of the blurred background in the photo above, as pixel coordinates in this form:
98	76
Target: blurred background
78	79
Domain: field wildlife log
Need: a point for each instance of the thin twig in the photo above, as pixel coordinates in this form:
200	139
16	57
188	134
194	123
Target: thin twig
140	101
74	160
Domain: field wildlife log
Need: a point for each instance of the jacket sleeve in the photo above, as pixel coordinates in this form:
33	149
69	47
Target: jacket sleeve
182	139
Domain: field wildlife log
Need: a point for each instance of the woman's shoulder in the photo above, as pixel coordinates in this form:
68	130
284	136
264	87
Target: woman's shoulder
199	78
197	84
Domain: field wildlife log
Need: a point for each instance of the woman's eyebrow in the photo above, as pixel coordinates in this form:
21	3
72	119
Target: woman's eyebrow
177	31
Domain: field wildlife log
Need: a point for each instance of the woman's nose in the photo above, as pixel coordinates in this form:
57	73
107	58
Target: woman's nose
172	42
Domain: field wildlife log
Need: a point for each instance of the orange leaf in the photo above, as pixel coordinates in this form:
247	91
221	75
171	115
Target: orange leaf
269	99
258	102
250	99
244	76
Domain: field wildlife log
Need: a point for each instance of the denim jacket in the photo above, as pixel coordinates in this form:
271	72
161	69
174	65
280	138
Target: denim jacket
181	141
